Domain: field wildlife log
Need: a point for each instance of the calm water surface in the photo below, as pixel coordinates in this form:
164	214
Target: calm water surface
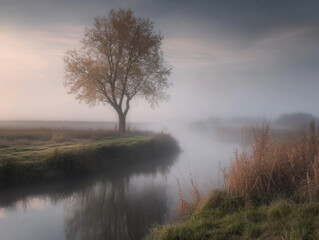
119	206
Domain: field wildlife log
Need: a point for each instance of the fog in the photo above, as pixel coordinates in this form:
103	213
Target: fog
236	66
254	59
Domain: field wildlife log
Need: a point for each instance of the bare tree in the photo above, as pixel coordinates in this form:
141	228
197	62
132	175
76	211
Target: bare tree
120	58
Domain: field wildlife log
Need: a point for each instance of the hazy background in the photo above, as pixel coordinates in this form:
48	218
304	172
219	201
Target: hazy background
229	58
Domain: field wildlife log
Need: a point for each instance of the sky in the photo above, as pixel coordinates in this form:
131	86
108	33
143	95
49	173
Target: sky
229	58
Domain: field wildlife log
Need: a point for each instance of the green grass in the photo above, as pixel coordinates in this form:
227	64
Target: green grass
248	206
222	216
48	160
39	152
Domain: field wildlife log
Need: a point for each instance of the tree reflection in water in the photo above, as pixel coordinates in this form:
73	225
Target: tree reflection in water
115	209
107	206
111	211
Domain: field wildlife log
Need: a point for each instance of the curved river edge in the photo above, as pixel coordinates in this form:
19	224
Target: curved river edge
221	215
34	164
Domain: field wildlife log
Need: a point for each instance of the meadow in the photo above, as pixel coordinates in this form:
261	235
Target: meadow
33	155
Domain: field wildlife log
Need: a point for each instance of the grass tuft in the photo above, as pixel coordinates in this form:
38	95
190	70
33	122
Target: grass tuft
276	169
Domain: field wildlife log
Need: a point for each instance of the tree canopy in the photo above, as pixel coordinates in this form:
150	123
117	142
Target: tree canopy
120	58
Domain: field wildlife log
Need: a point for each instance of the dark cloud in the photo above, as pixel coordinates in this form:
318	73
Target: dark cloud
242	23
247	20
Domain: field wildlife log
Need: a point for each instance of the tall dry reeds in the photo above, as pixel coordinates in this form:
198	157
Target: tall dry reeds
274	169
185	208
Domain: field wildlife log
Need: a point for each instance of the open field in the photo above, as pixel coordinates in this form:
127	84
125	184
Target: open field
38	136
43	154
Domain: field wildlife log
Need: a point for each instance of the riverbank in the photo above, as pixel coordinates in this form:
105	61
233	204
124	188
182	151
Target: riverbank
270	191
29	156
221	216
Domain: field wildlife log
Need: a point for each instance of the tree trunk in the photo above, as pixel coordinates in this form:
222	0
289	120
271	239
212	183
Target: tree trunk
122	122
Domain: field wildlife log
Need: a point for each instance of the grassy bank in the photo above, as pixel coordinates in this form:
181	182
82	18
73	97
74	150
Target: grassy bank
271	192
42	155
221	216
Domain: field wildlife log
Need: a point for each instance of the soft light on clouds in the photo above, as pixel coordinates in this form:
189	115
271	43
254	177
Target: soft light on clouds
190	52
18	59
2	213
228	58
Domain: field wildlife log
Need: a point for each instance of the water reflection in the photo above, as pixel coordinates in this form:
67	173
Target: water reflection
102	207
119	205
59	190
109	210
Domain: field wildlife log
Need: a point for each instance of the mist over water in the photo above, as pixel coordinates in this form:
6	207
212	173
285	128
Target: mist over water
122	205
236	66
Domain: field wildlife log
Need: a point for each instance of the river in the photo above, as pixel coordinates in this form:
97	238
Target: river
122	205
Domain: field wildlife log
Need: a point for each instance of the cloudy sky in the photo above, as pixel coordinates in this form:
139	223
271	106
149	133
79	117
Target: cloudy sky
242	58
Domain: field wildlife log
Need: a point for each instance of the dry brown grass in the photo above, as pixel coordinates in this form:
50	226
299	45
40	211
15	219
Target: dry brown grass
274	169
185	208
